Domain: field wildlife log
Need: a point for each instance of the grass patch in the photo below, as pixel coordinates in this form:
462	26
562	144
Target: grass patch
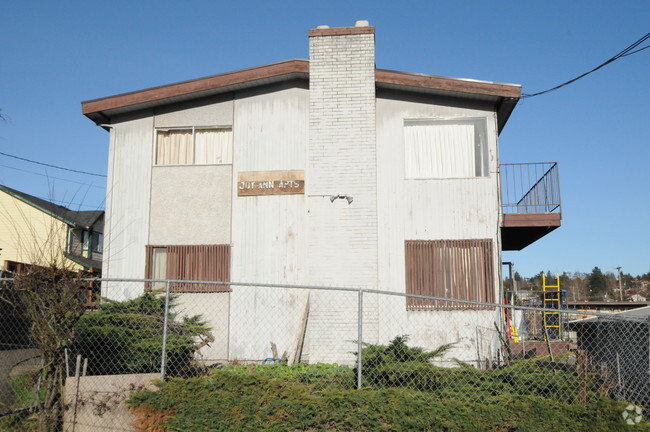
23	421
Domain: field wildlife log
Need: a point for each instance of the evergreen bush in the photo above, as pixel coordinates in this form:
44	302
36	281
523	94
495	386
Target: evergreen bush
126	337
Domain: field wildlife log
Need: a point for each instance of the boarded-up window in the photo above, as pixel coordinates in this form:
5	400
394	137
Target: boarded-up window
194	146
190	263
457	269
445	148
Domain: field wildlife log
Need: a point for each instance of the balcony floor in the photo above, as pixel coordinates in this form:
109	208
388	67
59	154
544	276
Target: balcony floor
519	230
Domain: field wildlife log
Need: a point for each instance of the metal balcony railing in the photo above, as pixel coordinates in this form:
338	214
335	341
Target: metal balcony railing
530	188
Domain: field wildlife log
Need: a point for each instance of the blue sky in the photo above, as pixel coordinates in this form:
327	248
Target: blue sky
57	54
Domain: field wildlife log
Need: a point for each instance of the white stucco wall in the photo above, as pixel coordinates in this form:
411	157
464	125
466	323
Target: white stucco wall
214	309
190	205
269	233
348	141
127	204
212	111
431	210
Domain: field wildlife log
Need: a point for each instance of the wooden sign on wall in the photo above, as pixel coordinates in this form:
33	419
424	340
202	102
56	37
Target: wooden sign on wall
253	183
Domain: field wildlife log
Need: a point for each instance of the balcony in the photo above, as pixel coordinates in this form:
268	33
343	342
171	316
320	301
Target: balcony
530	197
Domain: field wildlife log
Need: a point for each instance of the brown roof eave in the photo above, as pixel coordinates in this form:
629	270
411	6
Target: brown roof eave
98	110
506	95
447	84
92	107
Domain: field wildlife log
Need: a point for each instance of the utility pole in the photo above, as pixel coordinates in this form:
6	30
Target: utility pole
513	288
620	288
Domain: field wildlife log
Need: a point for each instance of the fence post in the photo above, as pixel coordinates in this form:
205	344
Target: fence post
163	362
359	338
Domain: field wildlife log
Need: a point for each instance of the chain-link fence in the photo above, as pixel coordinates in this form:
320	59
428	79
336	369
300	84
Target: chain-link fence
137	331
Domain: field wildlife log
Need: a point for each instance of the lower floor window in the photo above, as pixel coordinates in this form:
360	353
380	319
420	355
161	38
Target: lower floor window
457	269
190	263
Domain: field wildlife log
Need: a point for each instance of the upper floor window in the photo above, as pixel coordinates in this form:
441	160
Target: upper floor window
98	242
82	242
454	148
85	240
193	146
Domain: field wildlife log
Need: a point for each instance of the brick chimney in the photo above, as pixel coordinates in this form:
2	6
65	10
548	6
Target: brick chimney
342	154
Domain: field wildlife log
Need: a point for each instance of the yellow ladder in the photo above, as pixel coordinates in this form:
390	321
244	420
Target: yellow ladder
514	333
552	298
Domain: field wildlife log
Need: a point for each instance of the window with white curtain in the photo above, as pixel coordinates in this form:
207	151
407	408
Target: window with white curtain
455	148
194	146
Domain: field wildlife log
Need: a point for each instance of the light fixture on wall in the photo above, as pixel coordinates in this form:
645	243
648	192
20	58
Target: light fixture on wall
341	196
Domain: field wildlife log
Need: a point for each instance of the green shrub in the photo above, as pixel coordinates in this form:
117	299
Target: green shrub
21	421
407	393
126	337
319	375
254	400
398	365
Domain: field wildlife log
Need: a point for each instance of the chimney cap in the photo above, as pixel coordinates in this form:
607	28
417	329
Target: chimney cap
322	27
361	23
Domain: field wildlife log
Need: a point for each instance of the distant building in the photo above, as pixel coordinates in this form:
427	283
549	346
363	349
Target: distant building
328	172
619	345
34	231
606	306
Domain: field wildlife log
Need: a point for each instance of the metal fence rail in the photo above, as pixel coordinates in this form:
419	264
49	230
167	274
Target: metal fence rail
369	338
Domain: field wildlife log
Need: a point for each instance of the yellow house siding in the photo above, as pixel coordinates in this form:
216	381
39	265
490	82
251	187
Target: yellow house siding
31	236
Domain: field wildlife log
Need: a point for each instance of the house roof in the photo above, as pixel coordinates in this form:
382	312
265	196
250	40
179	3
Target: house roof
637	314
77	219
503	96
87	263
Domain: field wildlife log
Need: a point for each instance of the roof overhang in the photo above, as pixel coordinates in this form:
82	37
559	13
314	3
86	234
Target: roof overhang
89	265
504	97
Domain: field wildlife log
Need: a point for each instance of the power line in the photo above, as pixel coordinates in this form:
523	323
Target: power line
52	166
634	52
52	177
68	204
626	52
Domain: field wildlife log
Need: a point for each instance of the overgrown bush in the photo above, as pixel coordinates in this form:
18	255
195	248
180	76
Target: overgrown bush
320	375
398	365
408	392
53	304
254	400
126	337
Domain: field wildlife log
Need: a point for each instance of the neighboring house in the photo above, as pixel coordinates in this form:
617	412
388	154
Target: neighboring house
637	298
34	231
328	172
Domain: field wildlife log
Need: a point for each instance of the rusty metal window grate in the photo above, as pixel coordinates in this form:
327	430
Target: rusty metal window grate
192	263
455	269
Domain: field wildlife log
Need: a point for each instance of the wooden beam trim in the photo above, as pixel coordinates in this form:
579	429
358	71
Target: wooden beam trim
531	220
